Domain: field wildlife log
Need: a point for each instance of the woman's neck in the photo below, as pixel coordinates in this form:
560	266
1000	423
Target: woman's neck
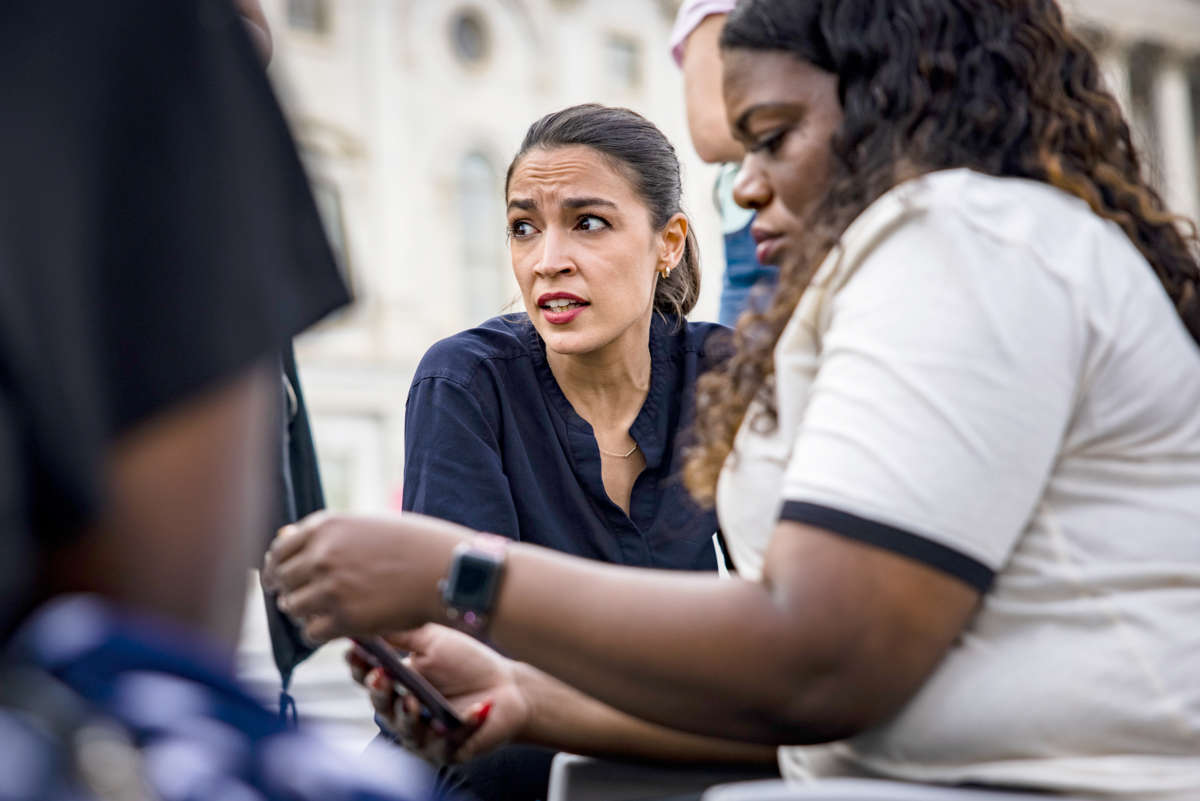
606	387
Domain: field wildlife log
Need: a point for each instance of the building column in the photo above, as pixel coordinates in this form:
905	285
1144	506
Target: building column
1113	57
1173	114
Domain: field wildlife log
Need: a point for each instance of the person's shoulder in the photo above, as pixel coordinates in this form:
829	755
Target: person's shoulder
700	335
987	216
992	200
1017	210
460	356
84	647
709	342
991	243
47	724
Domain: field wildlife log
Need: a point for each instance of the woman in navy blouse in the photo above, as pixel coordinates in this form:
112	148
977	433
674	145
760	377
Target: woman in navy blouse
558	426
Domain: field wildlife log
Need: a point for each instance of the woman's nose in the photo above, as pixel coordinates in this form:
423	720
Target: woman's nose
750	188
555	258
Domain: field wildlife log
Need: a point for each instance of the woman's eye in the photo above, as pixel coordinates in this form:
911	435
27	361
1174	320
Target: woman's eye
770	143
520	229
590	222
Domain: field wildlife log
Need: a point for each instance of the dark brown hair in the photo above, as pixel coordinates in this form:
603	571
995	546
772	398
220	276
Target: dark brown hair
636	148
997	86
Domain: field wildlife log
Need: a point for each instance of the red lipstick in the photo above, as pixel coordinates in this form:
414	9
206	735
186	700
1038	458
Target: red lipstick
560	308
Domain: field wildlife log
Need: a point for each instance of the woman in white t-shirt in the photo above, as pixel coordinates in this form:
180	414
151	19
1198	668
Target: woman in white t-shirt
957	461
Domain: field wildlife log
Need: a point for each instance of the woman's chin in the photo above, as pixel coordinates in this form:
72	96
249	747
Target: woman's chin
582	336
567	343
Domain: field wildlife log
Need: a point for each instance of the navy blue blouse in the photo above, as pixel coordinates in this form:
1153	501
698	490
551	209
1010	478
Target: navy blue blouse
492	443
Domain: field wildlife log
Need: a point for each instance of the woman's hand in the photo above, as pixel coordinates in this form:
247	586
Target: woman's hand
347	575
480	684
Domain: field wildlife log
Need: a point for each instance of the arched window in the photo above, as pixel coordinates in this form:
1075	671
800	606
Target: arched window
481	224
470	37
310	16
623	57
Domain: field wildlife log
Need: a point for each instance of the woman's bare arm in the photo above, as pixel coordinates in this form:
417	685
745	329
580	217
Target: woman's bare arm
702	94
836	637
524	705
566	719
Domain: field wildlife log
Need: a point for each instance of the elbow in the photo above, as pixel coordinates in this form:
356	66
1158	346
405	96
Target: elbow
712	140
820	698
716	149
706	149
824	710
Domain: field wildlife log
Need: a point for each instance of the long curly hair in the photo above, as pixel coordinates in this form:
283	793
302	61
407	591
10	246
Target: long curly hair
997	86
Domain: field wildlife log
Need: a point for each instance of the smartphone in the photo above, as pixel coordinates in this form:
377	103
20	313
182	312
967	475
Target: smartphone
386	657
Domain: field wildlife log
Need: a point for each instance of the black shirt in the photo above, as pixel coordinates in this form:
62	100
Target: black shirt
492	443
157	236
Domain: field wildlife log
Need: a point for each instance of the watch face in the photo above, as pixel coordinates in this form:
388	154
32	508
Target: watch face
473	576
473	581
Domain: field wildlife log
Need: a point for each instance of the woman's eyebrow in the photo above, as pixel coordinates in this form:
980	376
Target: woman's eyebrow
580	202
742	126
526	204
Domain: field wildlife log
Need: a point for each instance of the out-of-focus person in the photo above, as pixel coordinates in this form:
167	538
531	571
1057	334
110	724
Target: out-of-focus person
957	460
695	50
159	247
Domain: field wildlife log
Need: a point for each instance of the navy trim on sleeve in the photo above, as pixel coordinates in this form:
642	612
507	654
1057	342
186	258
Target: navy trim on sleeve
934	554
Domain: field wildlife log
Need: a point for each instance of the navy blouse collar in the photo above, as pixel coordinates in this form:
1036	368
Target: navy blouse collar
650	429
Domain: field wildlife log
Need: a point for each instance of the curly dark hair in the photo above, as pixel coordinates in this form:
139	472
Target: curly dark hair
997	86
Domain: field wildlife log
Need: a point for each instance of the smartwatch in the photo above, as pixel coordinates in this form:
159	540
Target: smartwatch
470	588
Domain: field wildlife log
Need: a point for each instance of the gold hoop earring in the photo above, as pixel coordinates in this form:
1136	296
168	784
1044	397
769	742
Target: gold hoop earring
665	272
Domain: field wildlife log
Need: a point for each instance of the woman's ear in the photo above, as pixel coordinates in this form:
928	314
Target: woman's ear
672	241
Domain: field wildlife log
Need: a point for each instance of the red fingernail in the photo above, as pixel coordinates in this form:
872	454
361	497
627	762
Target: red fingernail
483	712
375	679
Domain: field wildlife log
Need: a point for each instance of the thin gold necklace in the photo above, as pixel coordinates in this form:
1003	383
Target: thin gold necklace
617	455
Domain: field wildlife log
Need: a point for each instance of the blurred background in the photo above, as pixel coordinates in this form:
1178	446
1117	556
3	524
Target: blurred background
407	113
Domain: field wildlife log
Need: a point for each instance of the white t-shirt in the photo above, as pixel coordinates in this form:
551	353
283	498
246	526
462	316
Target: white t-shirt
990	379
